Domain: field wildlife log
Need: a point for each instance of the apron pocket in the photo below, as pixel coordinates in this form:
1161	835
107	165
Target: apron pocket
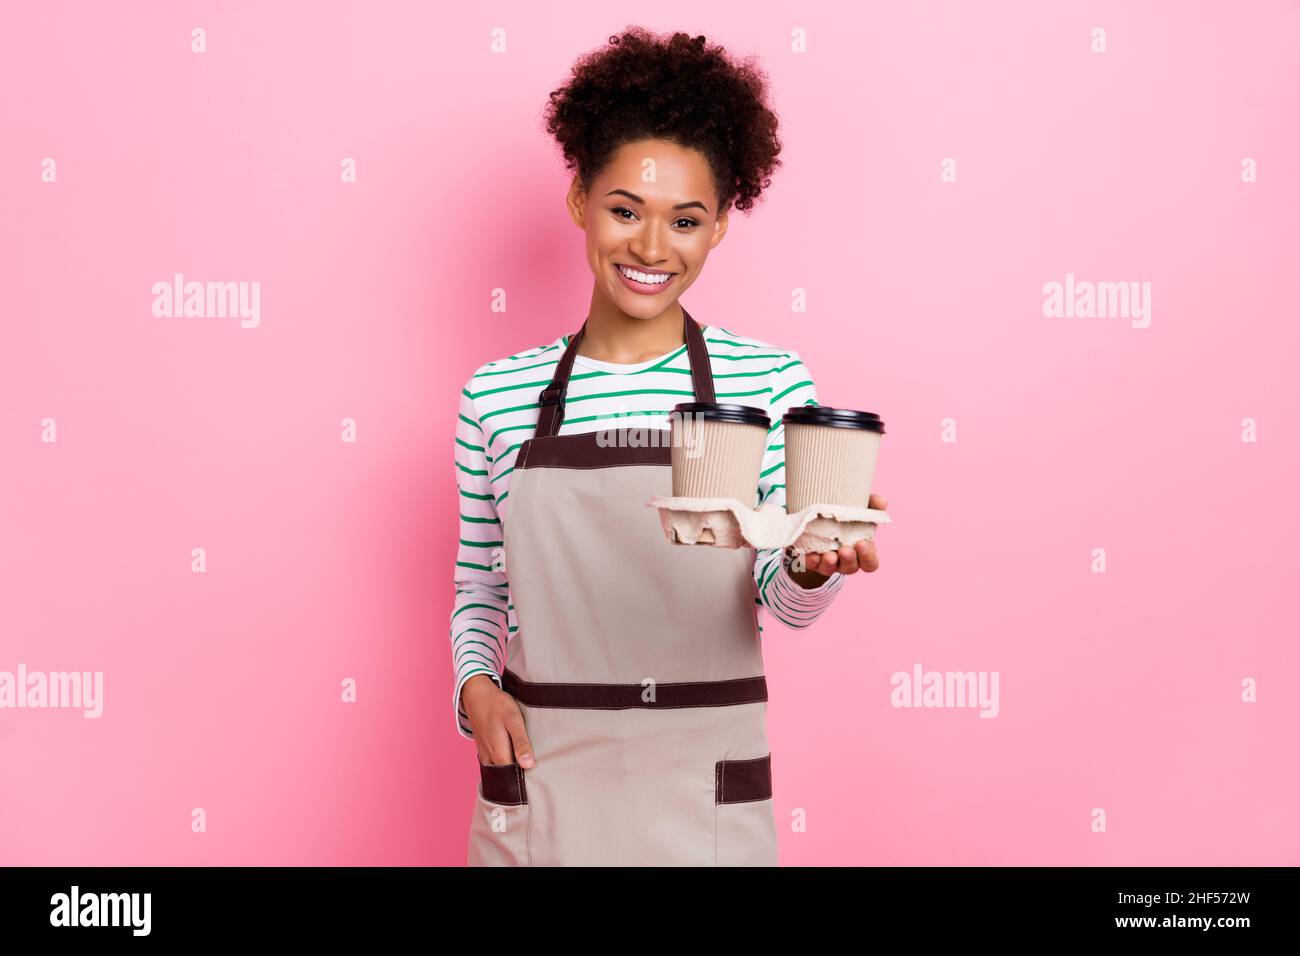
503	783
745	828
499	834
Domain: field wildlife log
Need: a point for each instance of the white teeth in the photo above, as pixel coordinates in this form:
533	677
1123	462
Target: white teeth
644	277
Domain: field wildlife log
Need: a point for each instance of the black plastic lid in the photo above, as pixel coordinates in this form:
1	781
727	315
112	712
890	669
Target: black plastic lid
714	412
835	417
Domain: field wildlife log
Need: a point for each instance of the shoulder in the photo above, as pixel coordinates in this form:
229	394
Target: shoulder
524	360
733	346
788	381
516	370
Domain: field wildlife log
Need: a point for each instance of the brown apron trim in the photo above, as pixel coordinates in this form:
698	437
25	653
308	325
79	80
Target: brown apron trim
743	781
584	451
717	693
550	400
503	783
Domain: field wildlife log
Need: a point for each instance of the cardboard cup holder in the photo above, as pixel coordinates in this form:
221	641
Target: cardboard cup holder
727	523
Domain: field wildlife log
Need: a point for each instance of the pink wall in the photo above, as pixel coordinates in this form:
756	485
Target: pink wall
328	560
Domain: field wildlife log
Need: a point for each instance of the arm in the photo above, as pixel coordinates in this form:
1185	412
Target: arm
479	618
796	600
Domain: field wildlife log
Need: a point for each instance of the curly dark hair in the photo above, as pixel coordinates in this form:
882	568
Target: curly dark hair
677	88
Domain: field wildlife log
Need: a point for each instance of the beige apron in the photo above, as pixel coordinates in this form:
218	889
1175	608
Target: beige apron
636	664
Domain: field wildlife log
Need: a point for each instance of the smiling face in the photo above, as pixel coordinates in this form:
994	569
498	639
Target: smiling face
647	241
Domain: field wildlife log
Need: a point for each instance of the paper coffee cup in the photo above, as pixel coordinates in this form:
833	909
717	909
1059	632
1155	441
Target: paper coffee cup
717	450
830	456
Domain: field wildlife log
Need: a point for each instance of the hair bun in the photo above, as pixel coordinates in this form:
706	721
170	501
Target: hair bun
680	87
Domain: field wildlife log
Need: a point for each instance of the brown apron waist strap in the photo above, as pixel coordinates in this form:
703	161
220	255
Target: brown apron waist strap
717	693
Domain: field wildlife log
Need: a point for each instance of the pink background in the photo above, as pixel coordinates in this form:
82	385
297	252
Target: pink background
329	560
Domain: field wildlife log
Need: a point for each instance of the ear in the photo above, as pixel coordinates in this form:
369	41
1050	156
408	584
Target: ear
720	227
576	202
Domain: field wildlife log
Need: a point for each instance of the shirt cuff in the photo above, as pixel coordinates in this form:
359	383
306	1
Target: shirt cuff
792	590
818	595
797	606
829	584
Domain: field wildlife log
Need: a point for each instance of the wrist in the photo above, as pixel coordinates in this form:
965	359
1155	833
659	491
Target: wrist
808	580
475	685
792	562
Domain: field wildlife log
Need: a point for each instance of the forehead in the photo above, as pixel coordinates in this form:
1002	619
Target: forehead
676	170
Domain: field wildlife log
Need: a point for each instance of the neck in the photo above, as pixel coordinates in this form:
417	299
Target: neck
614	336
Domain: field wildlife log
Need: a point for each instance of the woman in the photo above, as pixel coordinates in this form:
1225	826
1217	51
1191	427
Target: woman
613	682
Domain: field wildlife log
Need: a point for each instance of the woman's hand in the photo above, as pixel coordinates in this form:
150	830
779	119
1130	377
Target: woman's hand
819	565
497	723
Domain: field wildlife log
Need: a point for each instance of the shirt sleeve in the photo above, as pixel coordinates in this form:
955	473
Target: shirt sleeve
791	604
480	613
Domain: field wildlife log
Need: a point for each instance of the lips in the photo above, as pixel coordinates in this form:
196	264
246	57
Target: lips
643	287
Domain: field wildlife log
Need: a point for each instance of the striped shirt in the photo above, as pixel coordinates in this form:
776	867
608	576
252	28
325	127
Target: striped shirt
498	411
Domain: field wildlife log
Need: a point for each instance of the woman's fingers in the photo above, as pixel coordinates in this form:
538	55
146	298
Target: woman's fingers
497	743
500	734
877	502
868	559
519	736
862	556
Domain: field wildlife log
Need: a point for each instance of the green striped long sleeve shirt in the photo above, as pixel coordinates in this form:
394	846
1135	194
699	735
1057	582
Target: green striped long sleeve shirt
498	411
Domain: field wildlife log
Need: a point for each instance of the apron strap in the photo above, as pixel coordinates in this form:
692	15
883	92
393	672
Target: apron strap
551	399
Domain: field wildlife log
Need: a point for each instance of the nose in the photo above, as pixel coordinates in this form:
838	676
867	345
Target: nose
650	244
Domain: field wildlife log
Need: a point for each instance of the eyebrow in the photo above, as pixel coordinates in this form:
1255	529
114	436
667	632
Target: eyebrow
636	198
